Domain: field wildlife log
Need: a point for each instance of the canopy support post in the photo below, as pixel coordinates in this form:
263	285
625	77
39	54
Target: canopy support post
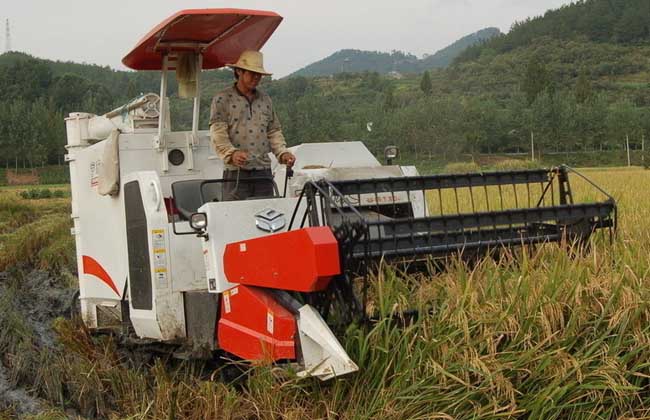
193	139
159	140
197	100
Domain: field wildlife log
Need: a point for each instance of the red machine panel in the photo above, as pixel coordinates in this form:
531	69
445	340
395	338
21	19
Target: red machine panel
303	260
254	326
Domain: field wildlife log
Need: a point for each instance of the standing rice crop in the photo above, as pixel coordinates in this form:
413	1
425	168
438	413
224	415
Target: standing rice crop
541	334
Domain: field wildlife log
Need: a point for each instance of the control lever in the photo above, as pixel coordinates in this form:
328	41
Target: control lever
288	174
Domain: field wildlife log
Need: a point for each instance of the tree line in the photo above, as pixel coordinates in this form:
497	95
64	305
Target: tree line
420	117
494	105
33	104
37	95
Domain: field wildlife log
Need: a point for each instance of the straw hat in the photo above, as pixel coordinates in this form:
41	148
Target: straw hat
251	61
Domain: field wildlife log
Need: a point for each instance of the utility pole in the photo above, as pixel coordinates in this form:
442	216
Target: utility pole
532	146
7	37
627	144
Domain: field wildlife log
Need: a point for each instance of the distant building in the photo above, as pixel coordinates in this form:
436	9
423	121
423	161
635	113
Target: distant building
395	75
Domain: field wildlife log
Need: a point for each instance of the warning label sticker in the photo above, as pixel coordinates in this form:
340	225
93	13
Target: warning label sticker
226	301
269	322
206	260
94	173
161	278
158	238
159	256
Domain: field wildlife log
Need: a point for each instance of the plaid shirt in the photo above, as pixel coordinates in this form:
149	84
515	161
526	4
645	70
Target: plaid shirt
239	124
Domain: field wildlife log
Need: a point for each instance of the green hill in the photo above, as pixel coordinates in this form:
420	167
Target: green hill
446	56
570	89
357	61
601	21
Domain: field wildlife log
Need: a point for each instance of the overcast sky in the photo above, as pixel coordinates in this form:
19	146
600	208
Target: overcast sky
102	32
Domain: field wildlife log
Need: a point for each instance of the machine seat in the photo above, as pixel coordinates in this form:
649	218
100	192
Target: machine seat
192	194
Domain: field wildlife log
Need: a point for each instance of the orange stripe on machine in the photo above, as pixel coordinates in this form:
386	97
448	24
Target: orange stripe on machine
92	267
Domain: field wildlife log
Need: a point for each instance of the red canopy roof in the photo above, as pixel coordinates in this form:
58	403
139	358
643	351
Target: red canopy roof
220	34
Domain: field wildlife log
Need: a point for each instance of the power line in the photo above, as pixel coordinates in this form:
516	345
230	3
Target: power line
7	37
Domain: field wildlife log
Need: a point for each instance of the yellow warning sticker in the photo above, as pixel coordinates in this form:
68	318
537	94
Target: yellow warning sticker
159	256
158	238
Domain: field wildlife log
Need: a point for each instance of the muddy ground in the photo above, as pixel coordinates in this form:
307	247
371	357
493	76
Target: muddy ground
37	298
16	399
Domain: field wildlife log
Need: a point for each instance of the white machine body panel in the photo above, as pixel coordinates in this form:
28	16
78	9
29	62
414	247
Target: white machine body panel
99	234
136	154
164	319
100	227
234	221
187	268
349	154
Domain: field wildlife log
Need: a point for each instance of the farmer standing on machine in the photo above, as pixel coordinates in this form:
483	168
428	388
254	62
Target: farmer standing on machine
244	129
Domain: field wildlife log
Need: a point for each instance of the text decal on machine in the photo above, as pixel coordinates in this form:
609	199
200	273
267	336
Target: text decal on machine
94	172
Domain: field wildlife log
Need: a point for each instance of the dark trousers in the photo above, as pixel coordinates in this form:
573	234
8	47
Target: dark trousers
241	184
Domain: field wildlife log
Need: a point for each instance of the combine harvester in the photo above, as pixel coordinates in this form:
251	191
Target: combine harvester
164	260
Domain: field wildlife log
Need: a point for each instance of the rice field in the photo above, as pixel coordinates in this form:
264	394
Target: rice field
536	335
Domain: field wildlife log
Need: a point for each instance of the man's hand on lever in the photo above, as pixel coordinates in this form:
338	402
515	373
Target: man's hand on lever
239	158
287	158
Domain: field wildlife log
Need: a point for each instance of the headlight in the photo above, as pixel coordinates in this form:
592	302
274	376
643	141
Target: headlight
391	152
198	221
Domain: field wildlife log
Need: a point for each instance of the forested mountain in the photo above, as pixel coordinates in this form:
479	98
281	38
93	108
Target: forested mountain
602	21
357	61
569	90
446	56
